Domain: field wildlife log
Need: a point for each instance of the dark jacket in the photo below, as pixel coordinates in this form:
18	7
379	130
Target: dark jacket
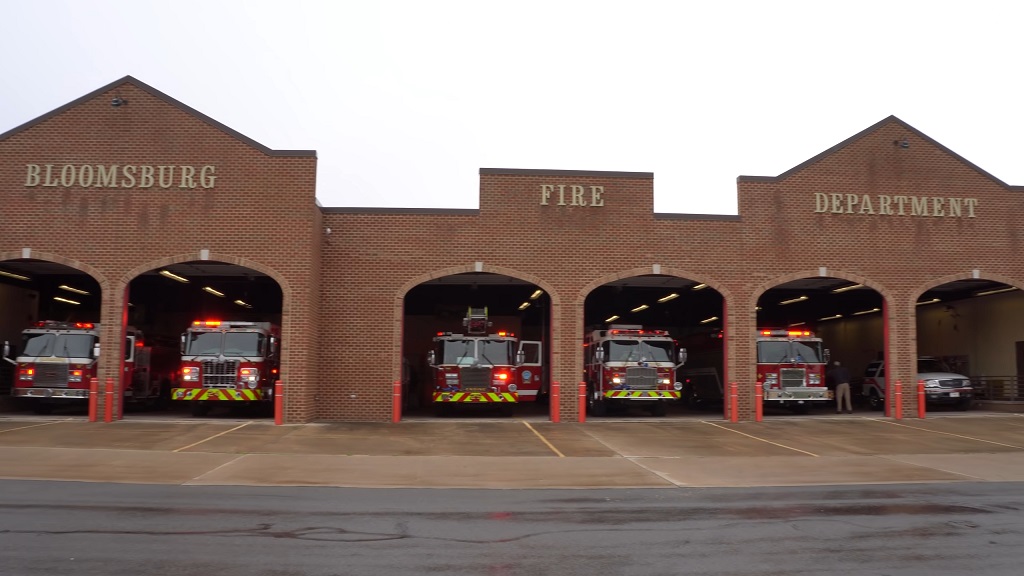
837	375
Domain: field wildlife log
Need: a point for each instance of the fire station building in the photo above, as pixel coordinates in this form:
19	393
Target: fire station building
888	245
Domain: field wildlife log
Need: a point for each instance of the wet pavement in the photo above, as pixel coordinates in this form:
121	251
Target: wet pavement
518	452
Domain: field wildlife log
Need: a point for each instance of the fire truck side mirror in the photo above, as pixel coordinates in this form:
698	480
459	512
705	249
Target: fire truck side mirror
96	350
181	347
828	354
7	348
273	346
431	359
520	357
682	356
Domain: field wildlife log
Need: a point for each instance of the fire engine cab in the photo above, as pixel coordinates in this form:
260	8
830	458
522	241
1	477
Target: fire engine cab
791	366
484	368
236	363
630	365
58	359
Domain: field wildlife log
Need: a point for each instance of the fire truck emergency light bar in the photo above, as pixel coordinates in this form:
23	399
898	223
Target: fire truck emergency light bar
627	332
56	324
785	332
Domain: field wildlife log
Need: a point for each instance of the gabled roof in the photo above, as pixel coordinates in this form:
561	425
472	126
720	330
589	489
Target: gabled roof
864	133
158	94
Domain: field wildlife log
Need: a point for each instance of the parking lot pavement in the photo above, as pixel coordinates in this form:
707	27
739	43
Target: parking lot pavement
506	453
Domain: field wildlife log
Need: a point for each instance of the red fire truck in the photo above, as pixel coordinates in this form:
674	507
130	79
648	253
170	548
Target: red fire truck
58	359
628	365
236	363
791	366
485	368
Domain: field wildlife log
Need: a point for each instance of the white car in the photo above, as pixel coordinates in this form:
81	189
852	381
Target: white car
940	385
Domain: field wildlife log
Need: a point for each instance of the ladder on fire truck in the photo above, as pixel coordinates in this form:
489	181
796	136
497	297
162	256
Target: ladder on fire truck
476	321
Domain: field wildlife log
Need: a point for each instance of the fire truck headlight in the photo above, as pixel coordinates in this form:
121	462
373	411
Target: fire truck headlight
678	385
616	380
814	378
664	381
75	376
771	378
249	376
26	373
190	374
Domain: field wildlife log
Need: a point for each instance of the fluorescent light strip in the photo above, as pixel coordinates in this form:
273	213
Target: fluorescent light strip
640	308
611	319
794	300
13	275
524	305
66	301
836	317
932	301
212	291
797	324
173	276
712	319
536	294
867	311
699	287
845	288
987	292
671	296
243	304
75	290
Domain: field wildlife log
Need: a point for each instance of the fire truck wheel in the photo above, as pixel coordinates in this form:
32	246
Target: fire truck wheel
507	410
200	409
441	410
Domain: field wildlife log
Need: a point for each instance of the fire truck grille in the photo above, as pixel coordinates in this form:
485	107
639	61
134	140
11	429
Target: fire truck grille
475	379
50	375
640	378
217	374
792	377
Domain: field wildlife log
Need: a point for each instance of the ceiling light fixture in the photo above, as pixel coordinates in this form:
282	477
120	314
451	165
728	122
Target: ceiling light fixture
706	320
212	291
75	290
611	319
524	305
671	296
793	300
932	301
640	308
173	276
536	294
835	317
997	291
66	301
867	311
797	324
699	287
845	288
243	304
13	275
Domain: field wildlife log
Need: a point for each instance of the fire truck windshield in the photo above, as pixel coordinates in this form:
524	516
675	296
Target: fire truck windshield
58	345
783	351
639	351
227	343
467	352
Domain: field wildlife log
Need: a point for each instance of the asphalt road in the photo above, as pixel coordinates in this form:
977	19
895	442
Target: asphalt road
101	529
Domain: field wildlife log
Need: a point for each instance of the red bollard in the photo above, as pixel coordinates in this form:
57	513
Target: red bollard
759	402
108	401
278	402
920	399
396	401
734	402
582	408
556	402
94	399
898	401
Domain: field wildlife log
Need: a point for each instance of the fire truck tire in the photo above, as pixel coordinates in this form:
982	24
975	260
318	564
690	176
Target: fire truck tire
200	409
442	410
507	410
659	409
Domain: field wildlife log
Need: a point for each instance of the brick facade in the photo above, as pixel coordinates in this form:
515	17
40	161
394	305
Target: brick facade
339	287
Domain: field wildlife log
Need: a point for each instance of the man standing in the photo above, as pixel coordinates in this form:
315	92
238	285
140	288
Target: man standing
840	378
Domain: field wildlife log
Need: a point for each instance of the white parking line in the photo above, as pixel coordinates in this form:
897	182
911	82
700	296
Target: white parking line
212	437
949	434
37	425
543	439
762	439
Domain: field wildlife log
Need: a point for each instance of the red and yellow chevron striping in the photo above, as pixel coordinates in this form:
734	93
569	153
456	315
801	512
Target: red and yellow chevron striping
475	397
642	394
216	394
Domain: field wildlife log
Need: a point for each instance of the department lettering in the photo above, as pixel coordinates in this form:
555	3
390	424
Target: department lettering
895	205
117	176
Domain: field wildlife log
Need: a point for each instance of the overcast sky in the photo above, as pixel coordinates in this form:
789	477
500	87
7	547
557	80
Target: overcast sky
404	101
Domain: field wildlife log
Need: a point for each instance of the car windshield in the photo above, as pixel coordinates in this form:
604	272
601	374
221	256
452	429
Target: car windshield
785	351
639	351
58	345
931	365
